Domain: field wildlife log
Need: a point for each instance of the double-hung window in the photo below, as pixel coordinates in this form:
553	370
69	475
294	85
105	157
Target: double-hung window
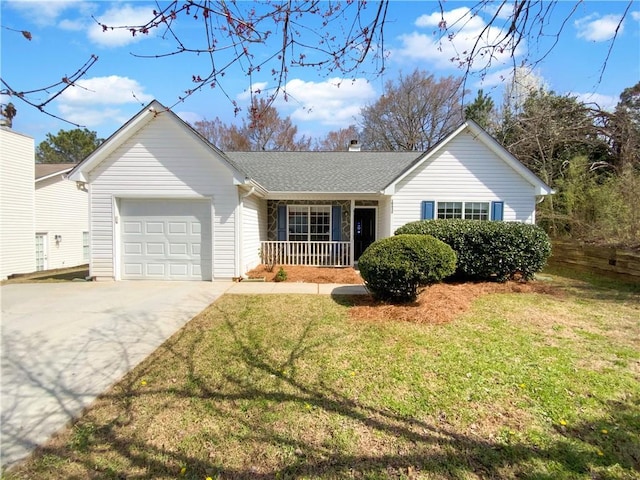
466	210
309	223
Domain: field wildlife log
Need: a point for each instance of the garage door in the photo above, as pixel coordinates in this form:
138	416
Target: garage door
165	239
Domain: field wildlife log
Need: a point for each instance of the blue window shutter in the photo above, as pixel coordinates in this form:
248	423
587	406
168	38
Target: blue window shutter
497	209
282	223
336	222
428	207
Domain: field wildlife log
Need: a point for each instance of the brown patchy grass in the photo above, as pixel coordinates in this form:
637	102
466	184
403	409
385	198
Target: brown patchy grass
489	381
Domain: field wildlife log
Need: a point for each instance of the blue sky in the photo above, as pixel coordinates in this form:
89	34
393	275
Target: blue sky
64	36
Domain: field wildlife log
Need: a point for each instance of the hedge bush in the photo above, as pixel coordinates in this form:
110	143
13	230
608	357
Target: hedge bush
395	268
489	250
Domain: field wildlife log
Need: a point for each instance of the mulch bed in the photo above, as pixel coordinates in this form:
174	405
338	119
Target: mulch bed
436	304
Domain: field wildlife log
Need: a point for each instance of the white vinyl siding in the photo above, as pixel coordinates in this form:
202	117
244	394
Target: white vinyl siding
465	170
254	230
17	230
62	211
162	160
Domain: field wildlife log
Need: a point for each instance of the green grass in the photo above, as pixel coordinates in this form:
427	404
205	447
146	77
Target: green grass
522	386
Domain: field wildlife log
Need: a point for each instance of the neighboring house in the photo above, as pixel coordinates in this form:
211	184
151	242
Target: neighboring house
61	218
166	204
16	203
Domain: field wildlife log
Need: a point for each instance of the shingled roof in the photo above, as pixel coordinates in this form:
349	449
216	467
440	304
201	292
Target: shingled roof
46	170
330	172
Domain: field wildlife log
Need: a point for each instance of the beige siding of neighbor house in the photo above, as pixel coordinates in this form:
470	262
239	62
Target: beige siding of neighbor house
17	233
254	230
62	209
162	161
463	170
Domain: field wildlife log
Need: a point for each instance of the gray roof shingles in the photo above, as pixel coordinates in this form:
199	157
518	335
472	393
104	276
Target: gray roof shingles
330	172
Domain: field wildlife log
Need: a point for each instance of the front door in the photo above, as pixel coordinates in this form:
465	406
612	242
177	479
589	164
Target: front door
364	230
41	251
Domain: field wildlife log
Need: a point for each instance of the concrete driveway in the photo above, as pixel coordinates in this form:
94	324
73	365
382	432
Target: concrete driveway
65	343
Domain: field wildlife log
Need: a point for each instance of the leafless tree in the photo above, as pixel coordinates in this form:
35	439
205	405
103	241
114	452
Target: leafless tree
263	129
338	140
414	113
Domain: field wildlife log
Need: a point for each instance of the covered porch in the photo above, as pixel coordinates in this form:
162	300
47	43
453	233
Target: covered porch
320	233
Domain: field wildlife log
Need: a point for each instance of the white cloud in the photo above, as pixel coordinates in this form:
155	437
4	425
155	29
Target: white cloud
189	117
598	29
335	102
121	15
468	32
605	102
497	78
636	15
255	89
98	100
43	13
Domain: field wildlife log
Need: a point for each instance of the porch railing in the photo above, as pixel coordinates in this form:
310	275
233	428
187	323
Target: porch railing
313	254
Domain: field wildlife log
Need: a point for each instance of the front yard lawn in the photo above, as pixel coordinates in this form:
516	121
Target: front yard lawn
522	385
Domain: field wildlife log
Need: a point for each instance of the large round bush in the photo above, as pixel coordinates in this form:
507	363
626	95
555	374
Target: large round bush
489	250
395	268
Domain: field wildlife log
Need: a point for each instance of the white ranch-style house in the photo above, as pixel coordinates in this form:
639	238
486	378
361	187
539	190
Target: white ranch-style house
164	203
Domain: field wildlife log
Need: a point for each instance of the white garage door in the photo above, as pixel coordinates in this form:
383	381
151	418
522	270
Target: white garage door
165	239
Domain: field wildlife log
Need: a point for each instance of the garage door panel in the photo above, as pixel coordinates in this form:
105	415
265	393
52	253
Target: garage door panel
177	228
154	227
155	270
133	269
132	227
155	248
131	248
178	249
166	239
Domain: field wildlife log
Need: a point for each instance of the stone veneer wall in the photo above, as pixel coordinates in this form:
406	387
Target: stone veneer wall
272	213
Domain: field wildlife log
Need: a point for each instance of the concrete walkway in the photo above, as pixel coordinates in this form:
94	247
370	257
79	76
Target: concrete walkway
65	343
303	288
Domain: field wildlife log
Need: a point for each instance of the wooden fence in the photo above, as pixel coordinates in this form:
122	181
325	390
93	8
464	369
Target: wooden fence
610	261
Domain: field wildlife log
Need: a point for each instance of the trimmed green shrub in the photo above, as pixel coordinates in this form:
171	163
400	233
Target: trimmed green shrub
489	250
281	276
395	268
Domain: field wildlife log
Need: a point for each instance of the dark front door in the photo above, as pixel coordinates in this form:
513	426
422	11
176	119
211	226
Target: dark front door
364	229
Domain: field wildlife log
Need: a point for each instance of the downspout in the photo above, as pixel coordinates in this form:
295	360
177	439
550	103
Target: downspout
240	274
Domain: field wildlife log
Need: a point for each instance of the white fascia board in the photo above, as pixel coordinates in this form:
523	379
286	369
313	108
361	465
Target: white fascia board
60	172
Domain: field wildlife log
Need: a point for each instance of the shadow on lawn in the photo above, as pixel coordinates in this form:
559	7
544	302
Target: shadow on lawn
424	447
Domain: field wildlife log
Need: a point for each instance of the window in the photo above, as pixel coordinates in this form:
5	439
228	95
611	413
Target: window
85	246
309	223
449	209
466	210
476	210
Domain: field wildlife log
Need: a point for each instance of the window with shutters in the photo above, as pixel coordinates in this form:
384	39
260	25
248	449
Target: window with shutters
466	210
309	223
